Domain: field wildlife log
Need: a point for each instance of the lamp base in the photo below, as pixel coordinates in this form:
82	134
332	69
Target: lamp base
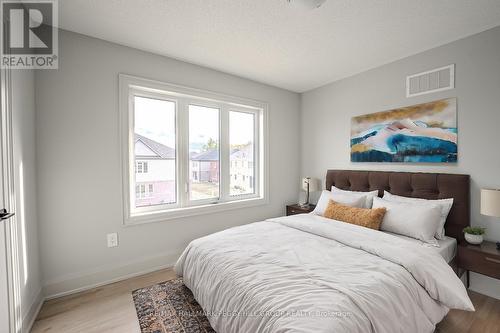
305	205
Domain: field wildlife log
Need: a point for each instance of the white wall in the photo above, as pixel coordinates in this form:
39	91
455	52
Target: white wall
78	157
23	131
327	112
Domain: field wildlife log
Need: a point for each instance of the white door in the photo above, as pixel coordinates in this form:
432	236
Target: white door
7	305
4	289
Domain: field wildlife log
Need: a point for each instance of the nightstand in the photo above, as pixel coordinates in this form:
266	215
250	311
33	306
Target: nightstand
483	259
296	209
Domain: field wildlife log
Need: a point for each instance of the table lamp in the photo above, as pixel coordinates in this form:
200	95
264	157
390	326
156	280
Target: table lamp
309	185
490	204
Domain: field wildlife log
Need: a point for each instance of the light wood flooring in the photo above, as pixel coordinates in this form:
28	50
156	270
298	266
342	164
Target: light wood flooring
110	309
105	309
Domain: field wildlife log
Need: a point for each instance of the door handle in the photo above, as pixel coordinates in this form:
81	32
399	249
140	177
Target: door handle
4	215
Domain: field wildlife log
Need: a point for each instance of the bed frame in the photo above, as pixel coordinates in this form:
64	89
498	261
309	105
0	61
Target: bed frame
416	185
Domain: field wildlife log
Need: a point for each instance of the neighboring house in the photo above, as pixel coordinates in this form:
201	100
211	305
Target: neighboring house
205	167
242	169
154	172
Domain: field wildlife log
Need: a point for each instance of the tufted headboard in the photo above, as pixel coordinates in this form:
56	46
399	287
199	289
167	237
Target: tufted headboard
417	185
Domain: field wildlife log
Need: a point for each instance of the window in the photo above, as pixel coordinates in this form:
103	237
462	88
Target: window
154	139
204	149
143	191
141	167
242	151
185	150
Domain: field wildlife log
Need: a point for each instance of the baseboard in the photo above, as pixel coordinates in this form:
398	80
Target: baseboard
83	281
30	316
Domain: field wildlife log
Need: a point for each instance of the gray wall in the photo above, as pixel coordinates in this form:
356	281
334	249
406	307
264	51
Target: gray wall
23	131
327	112
79	182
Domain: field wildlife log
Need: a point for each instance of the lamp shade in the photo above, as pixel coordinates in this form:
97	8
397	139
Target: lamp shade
313	184
490	202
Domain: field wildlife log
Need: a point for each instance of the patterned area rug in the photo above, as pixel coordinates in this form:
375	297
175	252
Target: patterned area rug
169	307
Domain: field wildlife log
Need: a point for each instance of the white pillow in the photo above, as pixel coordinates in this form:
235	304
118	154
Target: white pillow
416	221
343	199
369	195
444	204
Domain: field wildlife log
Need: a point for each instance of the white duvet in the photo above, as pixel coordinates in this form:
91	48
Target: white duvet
305	273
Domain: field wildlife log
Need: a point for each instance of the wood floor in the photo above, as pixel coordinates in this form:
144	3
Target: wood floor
105	309
111	309
486	319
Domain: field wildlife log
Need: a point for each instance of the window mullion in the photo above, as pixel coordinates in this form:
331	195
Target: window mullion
182	152
224	153
258	149
131	154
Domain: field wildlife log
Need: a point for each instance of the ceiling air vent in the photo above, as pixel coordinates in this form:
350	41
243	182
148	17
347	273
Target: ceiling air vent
438	79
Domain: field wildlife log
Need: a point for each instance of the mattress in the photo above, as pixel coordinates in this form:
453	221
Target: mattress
306	273
447	246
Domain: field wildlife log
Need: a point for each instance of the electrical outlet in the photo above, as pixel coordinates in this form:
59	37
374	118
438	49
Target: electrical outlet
112	240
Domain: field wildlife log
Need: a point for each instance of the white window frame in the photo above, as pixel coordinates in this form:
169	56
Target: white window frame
130	86
214	105
257	156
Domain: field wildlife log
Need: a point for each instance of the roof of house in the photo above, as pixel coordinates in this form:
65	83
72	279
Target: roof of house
165	152
245	152
159	149
209	155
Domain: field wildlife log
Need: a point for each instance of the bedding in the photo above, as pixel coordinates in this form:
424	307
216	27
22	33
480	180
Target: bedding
416	221
355	194
326	196
447	247
444	204
306	273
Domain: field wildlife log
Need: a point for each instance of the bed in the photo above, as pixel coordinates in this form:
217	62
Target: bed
306	273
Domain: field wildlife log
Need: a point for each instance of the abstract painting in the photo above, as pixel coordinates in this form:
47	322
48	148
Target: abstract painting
423	133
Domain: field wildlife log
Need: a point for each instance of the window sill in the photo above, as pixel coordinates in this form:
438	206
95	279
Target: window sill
176	213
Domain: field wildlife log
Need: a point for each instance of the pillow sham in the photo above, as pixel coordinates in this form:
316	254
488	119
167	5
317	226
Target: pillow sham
369	195
415	221
444	204
368	218
347	200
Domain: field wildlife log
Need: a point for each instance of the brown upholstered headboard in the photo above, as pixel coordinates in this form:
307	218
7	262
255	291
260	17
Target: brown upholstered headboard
417	185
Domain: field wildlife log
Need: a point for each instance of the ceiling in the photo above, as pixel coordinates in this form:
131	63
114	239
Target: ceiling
272	42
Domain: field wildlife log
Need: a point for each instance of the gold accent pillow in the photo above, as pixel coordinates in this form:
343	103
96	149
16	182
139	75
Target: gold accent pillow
369	218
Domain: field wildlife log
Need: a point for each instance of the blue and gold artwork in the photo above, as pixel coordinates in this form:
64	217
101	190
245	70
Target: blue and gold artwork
423	133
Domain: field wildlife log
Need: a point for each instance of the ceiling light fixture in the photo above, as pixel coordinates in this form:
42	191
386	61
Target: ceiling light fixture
307	4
